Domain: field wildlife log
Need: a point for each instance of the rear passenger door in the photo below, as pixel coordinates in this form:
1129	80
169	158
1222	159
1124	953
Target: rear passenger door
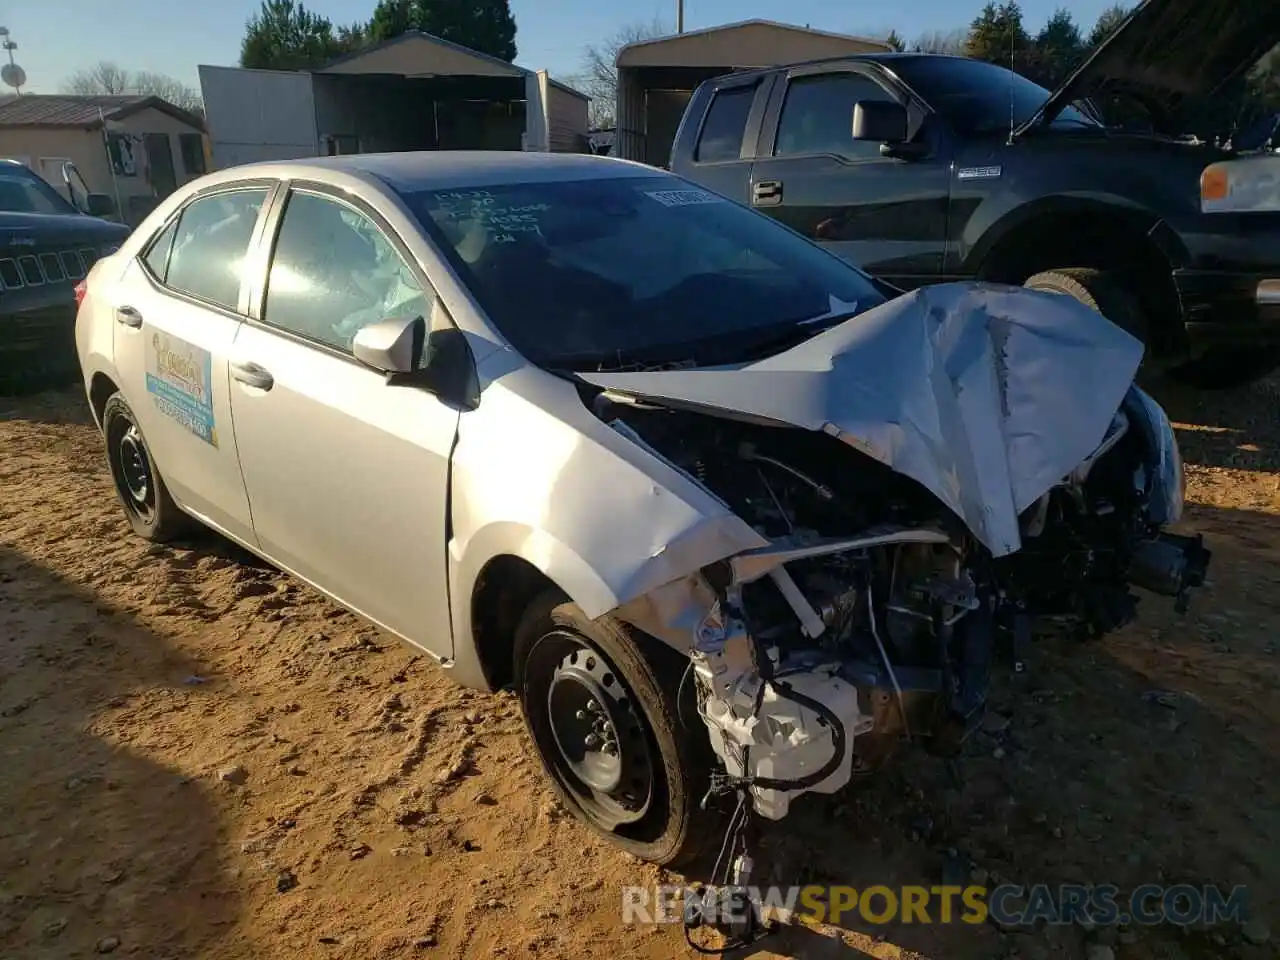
176	315
726	138
885	214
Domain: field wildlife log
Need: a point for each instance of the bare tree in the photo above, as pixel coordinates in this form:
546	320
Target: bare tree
598	77
102	79
108	79
165	87
941	41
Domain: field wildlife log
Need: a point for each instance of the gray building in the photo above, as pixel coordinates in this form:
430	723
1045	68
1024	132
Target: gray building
413	92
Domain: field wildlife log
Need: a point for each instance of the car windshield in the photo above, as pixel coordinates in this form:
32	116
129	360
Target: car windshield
602	273
974	96
23	192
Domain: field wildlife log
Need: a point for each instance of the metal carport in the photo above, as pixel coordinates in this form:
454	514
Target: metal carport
657	77
413	92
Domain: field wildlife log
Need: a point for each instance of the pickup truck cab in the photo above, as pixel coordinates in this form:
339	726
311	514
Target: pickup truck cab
924	168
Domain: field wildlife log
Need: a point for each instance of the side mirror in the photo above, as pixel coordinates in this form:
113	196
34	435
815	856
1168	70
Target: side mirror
99	205
439	361
391	346
879	121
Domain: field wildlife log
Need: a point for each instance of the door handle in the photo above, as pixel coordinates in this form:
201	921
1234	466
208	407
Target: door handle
766	193
252	375
129	317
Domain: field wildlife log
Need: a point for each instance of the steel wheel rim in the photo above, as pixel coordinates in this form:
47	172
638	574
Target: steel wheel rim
134	476
597	743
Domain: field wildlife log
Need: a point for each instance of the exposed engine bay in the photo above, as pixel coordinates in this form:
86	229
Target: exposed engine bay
874	615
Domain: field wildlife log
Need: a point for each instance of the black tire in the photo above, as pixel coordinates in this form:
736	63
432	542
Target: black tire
1224	367
147	504
1097	290
663	757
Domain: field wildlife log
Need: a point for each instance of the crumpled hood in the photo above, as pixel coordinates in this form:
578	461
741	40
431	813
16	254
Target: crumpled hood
987	395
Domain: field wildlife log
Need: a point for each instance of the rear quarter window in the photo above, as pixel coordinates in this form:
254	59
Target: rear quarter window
726	123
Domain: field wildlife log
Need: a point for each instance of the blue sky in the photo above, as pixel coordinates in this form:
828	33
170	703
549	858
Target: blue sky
56	37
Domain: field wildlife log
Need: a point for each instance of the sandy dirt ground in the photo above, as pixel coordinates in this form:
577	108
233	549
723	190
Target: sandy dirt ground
203	759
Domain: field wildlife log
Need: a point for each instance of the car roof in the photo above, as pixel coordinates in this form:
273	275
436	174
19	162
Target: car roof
407	172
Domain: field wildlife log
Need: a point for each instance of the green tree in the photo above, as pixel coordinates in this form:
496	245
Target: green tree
997	36
895	42
285	35
1059	48
1108	20
392	18
483	25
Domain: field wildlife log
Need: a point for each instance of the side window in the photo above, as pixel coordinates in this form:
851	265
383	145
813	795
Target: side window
157	256
210	244
817	116
721	136
333	272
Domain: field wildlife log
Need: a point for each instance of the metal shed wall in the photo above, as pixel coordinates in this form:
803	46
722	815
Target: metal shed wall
258	115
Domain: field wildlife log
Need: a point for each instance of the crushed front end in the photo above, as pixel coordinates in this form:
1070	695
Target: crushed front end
874	615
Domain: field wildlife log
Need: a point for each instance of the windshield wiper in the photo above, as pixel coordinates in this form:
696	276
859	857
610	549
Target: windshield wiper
778	340
733	346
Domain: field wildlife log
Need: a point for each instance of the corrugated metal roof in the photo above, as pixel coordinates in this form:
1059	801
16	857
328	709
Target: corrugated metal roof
42	109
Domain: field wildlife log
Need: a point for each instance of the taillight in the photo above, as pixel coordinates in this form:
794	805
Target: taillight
80	292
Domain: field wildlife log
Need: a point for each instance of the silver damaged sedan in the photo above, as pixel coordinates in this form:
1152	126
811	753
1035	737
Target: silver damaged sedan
733	518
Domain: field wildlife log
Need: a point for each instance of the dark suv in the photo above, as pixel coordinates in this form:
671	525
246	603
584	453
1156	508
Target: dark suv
46	246
924	168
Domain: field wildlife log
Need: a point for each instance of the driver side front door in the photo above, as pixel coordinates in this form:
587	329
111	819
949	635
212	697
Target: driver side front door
347	476
887	215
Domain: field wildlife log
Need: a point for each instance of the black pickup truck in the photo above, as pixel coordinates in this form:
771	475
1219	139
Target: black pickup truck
46	245
924	168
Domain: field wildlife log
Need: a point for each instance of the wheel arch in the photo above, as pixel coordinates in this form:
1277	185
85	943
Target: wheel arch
101	387
1113	235
504	567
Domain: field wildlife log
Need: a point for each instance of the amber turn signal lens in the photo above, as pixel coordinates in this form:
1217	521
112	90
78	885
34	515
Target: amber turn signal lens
1214	183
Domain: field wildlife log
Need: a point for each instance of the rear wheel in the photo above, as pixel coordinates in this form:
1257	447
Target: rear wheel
147	504
1224	367
1097	290
601	705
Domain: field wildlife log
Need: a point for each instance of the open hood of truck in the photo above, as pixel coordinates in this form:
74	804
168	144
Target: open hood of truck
1168	51
987	395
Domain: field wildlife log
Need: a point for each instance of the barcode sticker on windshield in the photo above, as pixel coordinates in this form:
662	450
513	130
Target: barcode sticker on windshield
683	198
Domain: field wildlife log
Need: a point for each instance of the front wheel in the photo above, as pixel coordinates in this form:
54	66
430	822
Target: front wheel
600	702
1098	291
147	504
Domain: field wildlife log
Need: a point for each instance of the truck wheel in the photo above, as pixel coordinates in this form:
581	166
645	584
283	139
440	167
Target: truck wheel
147	504
1097	290
601	705
1224	367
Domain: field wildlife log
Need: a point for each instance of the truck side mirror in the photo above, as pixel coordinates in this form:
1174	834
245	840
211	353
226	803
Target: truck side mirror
880	121
99	205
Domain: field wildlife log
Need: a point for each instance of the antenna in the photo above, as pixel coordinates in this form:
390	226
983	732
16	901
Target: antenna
11	74
1013	48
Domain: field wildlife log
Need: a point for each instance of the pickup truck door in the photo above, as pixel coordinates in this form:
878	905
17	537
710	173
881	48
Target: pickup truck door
728	130
887	214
